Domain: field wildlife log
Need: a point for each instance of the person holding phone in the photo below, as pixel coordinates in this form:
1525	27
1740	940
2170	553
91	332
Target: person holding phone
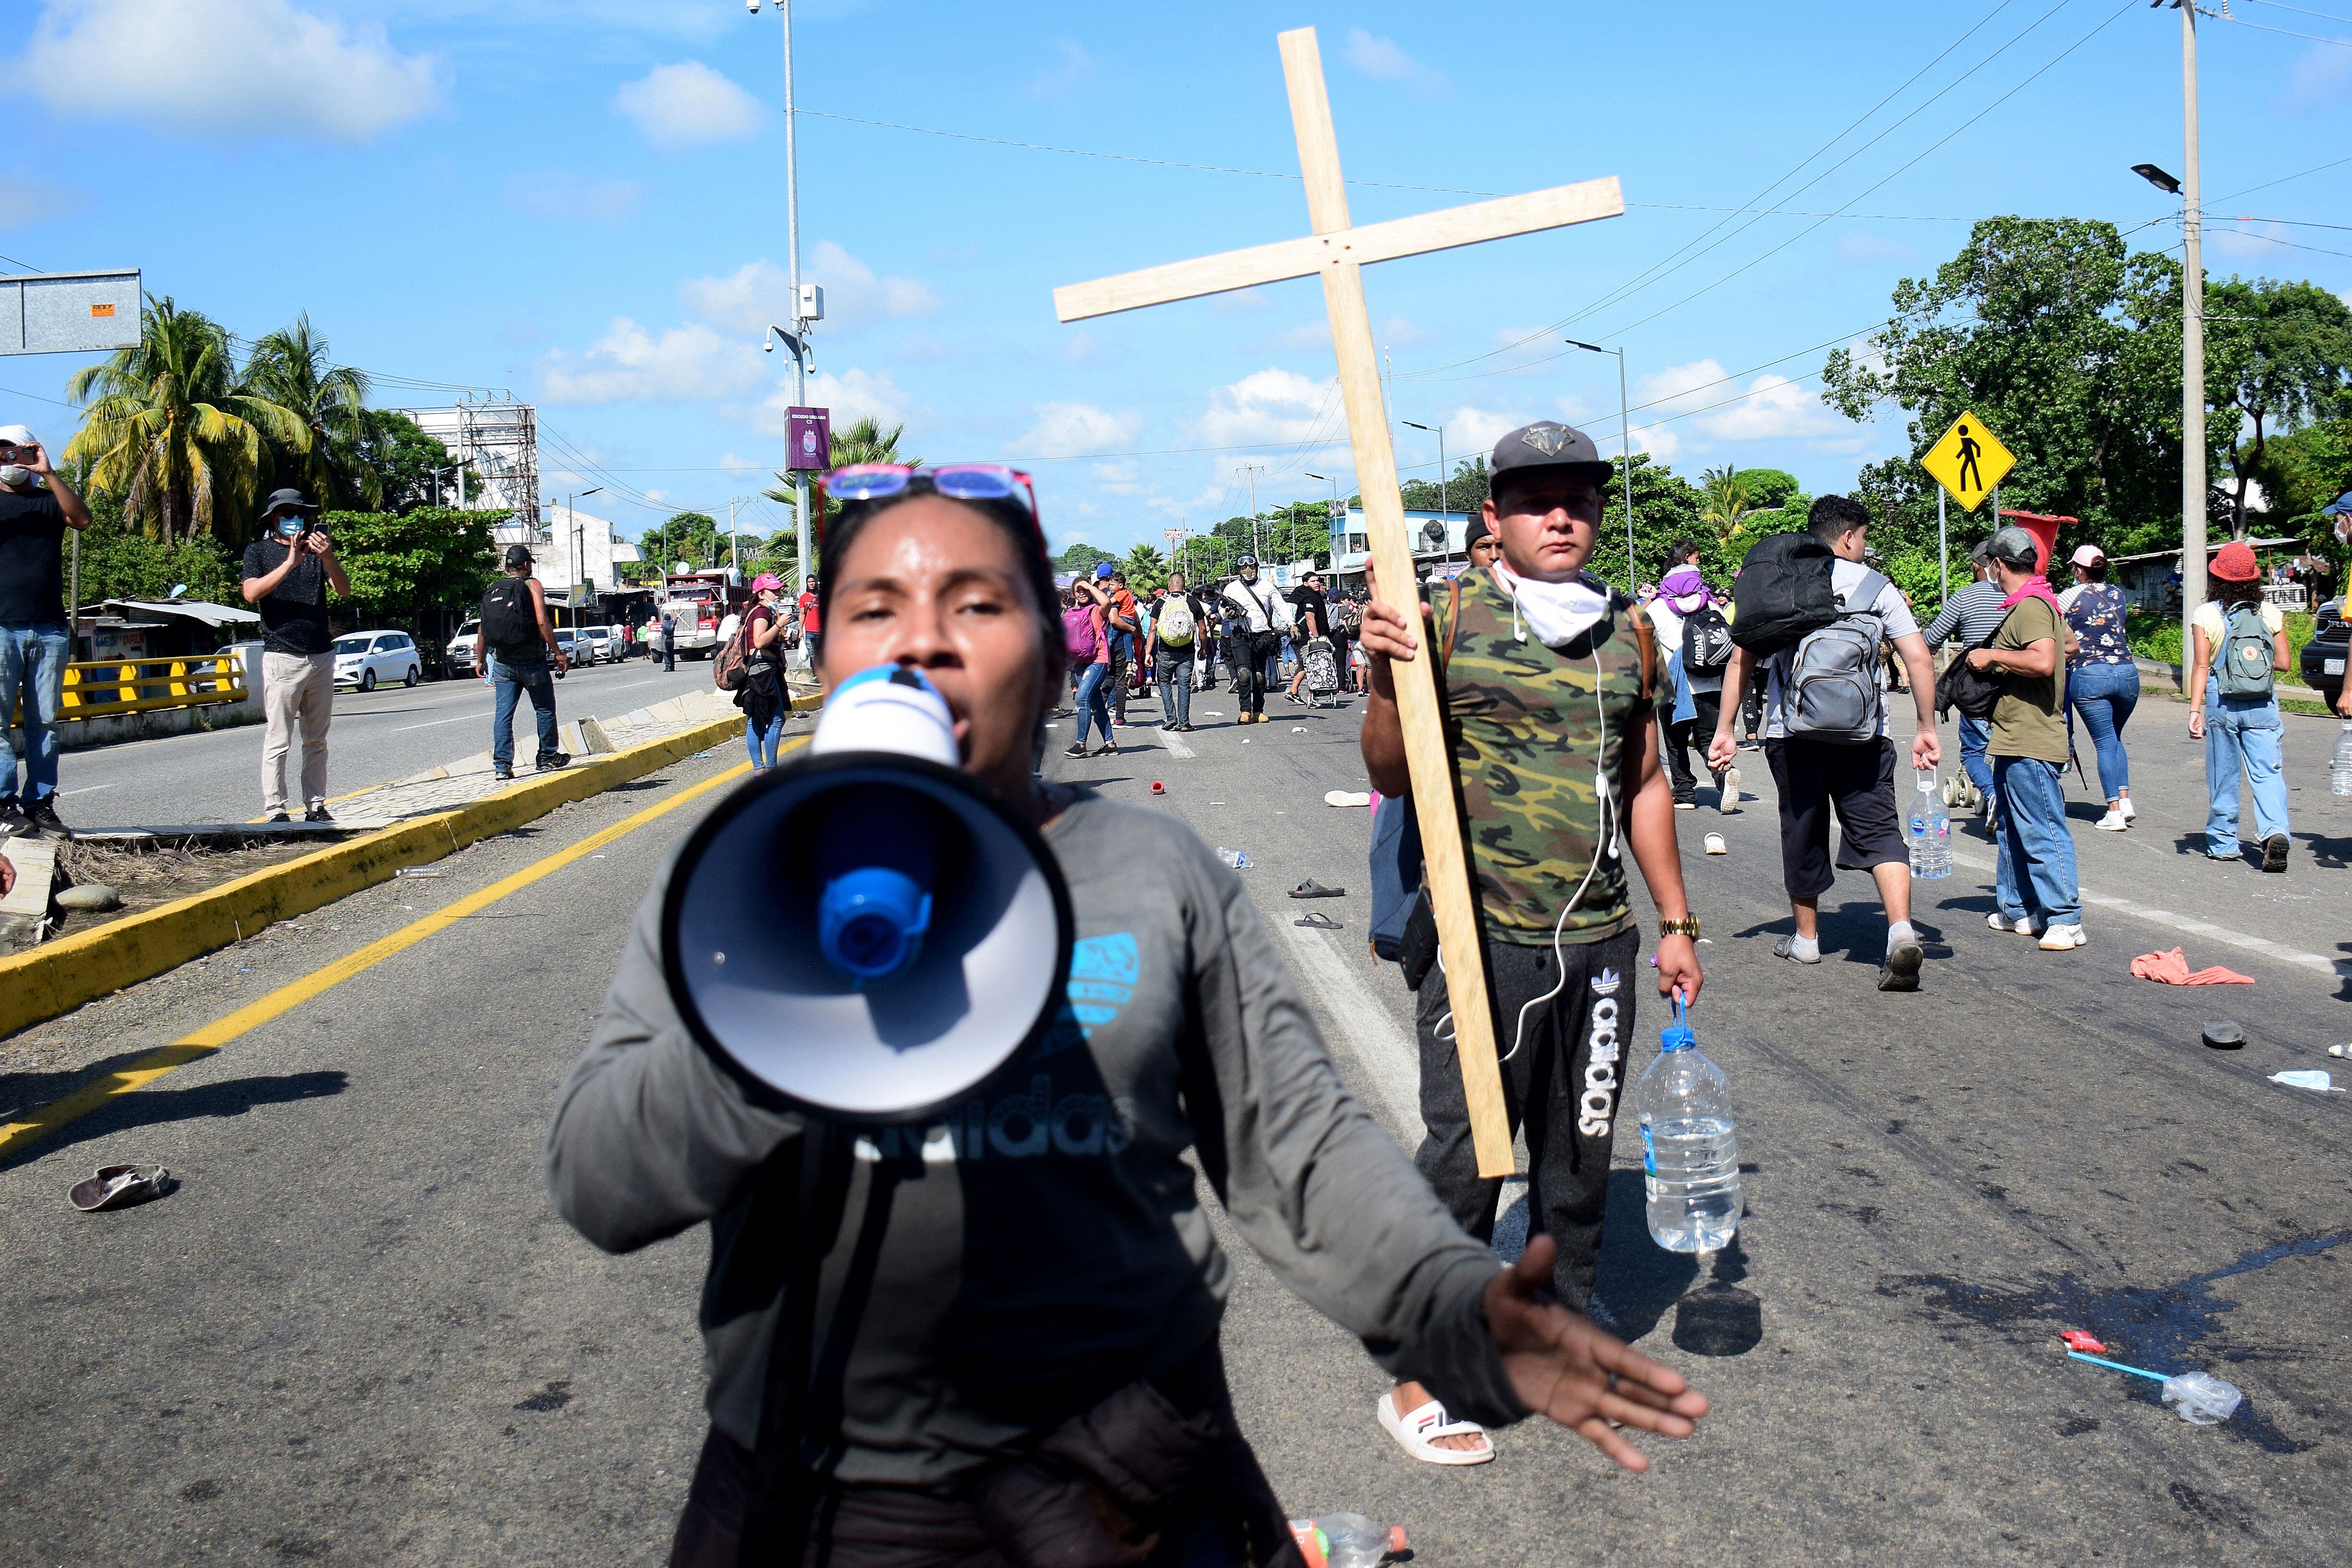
37	507
287	572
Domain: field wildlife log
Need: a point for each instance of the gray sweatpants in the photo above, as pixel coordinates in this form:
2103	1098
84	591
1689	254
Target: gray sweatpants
1562	1085
296	692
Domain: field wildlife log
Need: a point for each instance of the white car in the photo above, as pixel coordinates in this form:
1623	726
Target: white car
601	644
369	659
577	650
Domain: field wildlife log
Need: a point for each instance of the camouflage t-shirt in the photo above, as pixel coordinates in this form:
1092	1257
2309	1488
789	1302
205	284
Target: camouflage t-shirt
1527	731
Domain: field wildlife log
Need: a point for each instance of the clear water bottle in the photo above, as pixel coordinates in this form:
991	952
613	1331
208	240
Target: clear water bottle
1928	829
2340	771
1345	1540
1690	1149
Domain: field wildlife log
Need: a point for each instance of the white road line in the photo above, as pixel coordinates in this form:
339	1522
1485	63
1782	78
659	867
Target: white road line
432	723
86	789
1176	747
2316	963
1387	1055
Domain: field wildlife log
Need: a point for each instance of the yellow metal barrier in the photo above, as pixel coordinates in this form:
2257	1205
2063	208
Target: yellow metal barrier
140	685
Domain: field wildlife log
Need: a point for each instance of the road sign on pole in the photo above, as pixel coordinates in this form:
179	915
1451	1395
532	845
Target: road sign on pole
69	312
1969	461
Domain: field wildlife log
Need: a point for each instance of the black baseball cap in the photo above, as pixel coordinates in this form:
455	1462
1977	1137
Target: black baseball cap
517	555
1548	443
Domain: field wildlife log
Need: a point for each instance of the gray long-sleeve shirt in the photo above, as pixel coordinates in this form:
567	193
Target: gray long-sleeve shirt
1973	611
1042	1244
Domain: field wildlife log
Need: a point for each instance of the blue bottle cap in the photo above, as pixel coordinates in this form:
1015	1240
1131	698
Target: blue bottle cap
1678	1035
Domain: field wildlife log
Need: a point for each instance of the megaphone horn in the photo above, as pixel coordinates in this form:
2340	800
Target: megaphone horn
867	932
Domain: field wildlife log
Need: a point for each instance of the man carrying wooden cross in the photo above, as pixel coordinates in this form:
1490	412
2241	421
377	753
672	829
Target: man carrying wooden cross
1546	681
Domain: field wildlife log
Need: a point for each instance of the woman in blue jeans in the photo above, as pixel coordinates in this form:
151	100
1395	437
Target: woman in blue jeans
2241	726
2102	682
1094	679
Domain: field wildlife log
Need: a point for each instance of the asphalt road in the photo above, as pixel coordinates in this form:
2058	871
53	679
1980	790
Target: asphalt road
215	775
357	1333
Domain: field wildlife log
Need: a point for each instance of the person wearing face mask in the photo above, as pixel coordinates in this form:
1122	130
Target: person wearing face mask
37	507
1020	1334
1548	680
1257	637
287	572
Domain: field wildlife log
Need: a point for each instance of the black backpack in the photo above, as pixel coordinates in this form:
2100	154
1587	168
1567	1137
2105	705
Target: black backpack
1783	592
509	623
1707	642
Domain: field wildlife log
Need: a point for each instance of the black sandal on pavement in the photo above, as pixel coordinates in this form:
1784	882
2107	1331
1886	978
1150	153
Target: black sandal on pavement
1317	919
1311	888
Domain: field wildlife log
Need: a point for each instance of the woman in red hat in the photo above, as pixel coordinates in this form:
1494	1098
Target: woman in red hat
2234	704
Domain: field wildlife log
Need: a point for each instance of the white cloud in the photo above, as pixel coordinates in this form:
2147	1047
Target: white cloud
688	105
1382	60
1658	441
2320	76
759	292
558	197
1076	67
1269	408
25	201
1775	408
629	364
2241	241
1469	432
1073	429
1700	397
229	68
853	394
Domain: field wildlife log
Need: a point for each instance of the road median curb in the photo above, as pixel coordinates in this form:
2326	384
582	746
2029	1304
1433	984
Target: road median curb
60	976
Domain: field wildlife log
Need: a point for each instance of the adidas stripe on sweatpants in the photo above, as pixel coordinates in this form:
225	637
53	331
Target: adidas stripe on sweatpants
1563	1086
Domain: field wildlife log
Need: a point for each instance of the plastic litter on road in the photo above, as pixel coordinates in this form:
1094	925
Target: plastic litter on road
2221	1035
1158	788
1346	797
2076	1340
414	871
2307	1077
2201	1398
1233	857
1715	846
120	1186
2339	1051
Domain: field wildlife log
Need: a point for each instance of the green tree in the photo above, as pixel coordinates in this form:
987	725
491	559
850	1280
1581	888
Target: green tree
401	460
693	537
419	570
1465	491
1666	507
2278	354
119	563
1729	496
291	368
2068	346
173	431
1081	557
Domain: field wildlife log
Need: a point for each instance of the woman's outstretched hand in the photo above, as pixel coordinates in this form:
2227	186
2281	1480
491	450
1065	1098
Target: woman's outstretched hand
1587	1381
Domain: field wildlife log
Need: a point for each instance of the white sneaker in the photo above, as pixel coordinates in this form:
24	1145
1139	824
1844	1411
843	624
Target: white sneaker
2131	813
2062	938
2114	822
2023	926
1729	802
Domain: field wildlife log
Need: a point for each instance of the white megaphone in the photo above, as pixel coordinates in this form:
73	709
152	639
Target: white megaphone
866	931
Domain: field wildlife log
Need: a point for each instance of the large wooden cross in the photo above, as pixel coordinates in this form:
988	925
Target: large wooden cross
1338	252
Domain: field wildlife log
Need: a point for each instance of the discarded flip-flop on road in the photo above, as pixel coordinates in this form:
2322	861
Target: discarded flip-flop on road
1311	888
1347	797
120	1186
1315	920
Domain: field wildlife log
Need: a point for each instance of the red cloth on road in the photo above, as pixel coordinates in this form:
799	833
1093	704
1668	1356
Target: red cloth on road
2172	969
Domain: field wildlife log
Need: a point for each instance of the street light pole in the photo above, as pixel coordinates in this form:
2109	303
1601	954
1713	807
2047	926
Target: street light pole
1625	446
1445	515
2192	344
793	244
1253	470
1337	521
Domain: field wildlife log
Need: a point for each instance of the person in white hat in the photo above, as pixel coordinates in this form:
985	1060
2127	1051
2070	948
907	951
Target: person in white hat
2102	682
37	507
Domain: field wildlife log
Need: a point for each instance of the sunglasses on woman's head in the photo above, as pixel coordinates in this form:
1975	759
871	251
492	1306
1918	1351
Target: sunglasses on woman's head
958	481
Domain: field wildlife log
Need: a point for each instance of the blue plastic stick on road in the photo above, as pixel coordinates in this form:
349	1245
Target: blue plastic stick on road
2135	1371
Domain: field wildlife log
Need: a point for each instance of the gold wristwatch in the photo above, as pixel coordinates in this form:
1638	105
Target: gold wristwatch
1687	926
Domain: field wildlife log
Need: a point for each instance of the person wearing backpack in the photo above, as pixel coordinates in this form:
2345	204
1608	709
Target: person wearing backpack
1691	628
518	645
1085	639
1825	731
2234	704
1175	635
2036	889
1973	613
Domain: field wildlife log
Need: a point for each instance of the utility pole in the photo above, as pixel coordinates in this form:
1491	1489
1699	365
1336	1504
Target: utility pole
2192	344
793	244
1253	470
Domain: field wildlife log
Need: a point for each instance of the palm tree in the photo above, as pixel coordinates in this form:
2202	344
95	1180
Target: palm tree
172	430
1727	494
291	368
1145	567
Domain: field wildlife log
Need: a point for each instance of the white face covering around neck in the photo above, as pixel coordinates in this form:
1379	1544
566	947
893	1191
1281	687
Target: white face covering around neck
1558	613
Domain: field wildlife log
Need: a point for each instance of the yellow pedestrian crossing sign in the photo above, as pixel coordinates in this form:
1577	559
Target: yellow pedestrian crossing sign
1969	461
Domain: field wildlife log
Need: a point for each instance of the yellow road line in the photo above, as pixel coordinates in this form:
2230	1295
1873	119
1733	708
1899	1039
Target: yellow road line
38	1123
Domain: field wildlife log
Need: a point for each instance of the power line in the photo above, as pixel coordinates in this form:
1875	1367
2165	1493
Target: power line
2279	6
2285	33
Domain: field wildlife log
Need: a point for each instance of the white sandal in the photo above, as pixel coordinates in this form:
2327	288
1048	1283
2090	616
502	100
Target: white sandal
1414	1432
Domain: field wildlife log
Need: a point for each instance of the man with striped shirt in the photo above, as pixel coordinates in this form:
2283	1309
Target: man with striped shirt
1975	614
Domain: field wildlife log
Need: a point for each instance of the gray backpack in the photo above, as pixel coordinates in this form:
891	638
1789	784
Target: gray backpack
2246	654
1830	680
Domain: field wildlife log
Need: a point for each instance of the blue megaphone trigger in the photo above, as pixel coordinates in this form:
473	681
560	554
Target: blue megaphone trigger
871	920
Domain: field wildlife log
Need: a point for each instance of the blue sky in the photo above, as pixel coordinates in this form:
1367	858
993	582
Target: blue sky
583	202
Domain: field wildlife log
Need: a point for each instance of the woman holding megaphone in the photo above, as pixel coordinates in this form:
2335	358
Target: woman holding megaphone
989	1333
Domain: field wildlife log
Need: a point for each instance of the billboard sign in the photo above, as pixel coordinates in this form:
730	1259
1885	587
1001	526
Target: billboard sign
69	312
810	431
